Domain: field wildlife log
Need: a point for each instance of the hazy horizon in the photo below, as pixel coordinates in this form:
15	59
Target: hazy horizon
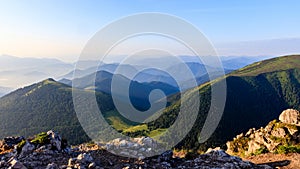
118	58
56	29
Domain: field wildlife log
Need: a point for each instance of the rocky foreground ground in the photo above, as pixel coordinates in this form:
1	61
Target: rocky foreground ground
268	145
48	150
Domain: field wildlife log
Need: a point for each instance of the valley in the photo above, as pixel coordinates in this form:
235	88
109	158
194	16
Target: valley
256	94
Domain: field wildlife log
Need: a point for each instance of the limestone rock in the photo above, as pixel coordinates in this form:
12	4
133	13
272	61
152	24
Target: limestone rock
279	132
253	146
45	155
269	138
137	147
212	149
290	116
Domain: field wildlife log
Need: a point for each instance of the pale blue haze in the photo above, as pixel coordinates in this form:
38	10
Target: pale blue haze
59	29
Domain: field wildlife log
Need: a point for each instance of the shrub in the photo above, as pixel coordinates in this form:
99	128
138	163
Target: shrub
261	150
20	145
285	149
41	138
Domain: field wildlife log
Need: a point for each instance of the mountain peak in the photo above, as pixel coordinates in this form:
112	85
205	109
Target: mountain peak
50	79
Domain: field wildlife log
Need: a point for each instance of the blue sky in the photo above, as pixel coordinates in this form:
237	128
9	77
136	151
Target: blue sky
60	29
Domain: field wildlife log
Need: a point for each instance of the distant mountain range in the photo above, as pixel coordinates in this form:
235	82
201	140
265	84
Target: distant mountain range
147	75
253	93
234	62
138	91
18	72
143	83
229	64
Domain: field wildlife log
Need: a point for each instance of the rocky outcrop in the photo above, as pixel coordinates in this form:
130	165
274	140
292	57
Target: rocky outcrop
136	148
273	137
27	149
55	140
83	160
48	150
42	151
290	116
8	143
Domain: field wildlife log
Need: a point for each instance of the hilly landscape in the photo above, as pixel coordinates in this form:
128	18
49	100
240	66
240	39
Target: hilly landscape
49	105
138	91
43	106
256	94
149	84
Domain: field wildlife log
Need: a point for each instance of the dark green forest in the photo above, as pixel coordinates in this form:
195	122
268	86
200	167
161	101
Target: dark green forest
256	95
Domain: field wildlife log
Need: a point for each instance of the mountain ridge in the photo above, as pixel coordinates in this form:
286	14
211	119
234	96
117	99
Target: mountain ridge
252	101
250	97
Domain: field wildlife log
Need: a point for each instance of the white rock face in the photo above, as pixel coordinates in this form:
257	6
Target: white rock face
290	116
136	147
268	139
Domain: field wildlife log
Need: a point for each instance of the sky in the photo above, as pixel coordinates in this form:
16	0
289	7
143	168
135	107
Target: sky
61	28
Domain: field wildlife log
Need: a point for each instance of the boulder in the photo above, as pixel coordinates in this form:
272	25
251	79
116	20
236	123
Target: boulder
55	140
213	149
27	149
52	166
279	132
290	116
136	147
15	164
84	158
